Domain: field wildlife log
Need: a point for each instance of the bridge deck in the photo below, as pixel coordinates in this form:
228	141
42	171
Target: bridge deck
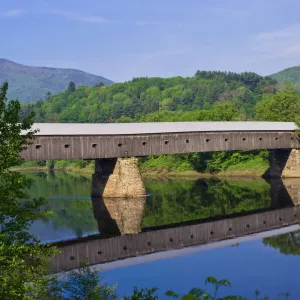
67	129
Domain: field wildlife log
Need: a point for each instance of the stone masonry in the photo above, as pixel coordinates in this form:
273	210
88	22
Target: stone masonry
121	180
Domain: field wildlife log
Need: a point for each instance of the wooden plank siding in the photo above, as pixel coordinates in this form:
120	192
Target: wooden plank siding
110	146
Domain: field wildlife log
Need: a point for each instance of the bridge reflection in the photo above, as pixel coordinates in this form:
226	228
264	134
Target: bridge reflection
122	234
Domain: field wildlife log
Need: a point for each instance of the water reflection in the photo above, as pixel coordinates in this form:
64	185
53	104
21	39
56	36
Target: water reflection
170	202
118	216
288	243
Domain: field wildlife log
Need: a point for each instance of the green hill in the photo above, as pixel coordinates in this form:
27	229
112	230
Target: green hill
158	97
32	83
288	75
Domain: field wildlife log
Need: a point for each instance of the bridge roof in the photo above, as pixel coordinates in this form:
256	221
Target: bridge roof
59	129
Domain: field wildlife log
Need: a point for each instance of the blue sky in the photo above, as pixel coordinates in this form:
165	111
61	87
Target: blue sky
122	39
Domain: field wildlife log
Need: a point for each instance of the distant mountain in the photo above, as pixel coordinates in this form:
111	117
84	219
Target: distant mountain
32	83
288	75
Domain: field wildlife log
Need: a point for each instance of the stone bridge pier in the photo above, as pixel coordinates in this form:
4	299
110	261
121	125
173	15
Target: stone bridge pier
284	163
117	178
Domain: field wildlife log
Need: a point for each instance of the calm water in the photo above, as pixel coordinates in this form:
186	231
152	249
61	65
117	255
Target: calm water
269	264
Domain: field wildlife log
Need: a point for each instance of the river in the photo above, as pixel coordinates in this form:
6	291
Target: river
269	264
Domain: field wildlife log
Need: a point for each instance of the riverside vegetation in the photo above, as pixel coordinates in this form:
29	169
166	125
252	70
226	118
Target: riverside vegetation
23	260
207	96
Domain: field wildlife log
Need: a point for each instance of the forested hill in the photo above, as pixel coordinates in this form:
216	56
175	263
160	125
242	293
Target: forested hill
201	97
32	83
288	75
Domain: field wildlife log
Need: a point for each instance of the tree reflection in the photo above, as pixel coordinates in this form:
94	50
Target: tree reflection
288	243
178	201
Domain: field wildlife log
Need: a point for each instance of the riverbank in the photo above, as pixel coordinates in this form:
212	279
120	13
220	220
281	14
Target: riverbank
250	168
256	167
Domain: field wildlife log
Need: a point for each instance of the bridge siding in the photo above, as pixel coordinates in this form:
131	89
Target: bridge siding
106	250
81	147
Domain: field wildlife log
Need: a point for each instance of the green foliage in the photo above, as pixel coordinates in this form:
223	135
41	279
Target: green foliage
214	162
167	163
32	83
283	106
85	284
221	161
71	87
288	75
200	294
234	95
143	294
15	215
22	260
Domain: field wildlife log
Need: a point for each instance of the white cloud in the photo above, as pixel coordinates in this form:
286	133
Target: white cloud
81	18
293	49
12	13
280	43
273	36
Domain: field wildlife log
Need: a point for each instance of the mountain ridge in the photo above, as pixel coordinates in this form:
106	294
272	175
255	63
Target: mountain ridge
291	74
29	83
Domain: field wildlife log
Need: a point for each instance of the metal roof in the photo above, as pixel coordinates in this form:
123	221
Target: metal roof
59	129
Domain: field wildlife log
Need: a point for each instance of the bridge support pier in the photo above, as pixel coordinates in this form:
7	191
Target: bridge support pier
284	163
117	178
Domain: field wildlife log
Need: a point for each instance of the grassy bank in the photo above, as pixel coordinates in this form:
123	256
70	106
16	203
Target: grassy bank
74	166
164	165
254	166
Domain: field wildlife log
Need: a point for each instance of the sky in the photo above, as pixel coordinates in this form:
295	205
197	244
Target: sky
122	39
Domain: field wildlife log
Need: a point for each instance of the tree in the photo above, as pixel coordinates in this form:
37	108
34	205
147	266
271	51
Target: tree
223	112
100	84
71	87
22	259
48	95
283	106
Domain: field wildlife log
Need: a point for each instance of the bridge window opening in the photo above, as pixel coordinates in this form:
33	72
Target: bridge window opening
38	146
72	257
207	140
149	244
192	236
226	140
187	141
260	138
295	216
244	139
211	232
292	138
120	145
124	248
94	145
280	219
166	142
67	146
99	252
265	222
171	240
276	138
144	143
248	225
230	229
